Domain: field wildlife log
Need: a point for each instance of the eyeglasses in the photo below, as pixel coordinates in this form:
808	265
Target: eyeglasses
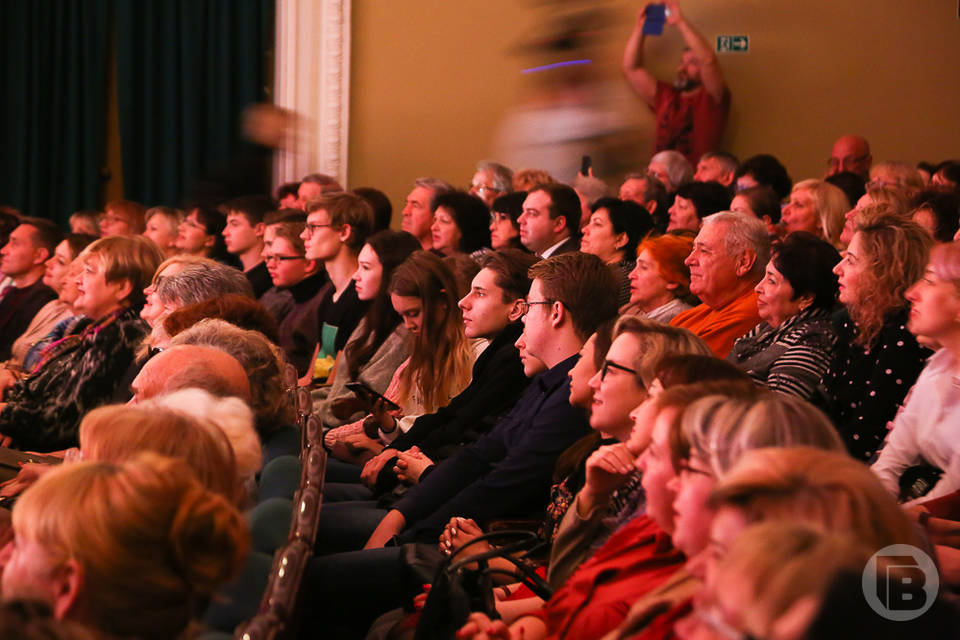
311	227
526	304
482	187
607	365
281	258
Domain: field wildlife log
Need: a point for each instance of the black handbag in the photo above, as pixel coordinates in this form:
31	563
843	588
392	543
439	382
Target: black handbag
457	590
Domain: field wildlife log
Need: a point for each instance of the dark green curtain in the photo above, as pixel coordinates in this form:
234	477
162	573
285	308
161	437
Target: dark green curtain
53	107
186	69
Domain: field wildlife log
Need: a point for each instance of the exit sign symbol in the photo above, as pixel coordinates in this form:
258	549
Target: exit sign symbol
733	44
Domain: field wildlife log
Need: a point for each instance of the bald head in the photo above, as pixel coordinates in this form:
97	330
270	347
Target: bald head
191	366
851	153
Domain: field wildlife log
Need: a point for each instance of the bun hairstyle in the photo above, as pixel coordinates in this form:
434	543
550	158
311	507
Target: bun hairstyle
151	540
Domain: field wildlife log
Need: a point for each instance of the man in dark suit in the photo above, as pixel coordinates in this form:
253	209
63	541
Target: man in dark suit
550	222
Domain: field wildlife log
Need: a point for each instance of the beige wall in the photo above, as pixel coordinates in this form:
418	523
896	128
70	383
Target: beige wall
432	78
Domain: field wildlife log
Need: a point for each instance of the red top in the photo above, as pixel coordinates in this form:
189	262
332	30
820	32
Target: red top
661	627
689	122
636	559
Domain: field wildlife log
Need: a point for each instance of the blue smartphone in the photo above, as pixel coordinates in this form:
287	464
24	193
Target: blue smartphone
656	17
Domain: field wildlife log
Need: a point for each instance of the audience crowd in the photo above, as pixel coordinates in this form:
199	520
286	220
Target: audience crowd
710	400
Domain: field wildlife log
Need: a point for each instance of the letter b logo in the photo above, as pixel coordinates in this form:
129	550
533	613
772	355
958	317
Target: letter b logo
900	582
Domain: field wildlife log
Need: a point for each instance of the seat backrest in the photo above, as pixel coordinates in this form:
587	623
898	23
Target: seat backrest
283	588
306	515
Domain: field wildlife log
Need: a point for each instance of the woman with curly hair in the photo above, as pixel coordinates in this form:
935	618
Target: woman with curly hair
877	359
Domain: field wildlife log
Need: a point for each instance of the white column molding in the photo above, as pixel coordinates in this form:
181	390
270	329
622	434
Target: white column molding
312	78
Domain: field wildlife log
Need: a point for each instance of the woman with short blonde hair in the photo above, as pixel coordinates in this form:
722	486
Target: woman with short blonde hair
84	370
817	207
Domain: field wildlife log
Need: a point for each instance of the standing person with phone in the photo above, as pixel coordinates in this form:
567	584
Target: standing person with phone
692	113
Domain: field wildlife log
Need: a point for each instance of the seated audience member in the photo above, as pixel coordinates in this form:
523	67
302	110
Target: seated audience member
491	181
816	207
779	572
289	269
589	189
898	175
215	436
240	311
504	226
660	281
612	234
122	218
550	222
694	201
417	214
286	195
649	193
852	185
184	281
85	222
609	498
243	237
794	345
764	170
51	314
162	224
461	223
424	294
506	472
877	358
337	227
278	301
530	179
717	166
201	234
893	199
314	187
671	168
728	259
760	202
162	542
23	258
796	486
573	292
850	153
946	176
380	204
685	455
191	366
74	318
925	431
377	346
939	213
84	370
261	361
491	311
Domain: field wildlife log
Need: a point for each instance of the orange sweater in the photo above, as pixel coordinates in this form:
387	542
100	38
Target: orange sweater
720	328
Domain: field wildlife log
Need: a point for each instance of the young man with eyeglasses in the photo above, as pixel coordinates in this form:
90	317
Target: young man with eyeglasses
337	227
303	280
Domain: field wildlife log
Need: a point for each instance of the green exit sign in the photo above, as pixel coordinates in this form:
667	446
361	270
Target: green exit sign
733	44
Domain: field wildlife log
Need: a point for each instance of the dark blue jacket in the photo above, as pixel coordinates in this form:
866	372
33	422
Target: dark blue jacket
507	472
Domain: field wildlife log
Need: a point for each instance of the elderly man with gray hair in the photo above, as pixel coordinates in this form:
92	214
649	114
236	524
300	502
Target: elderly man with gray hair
491	181
728	260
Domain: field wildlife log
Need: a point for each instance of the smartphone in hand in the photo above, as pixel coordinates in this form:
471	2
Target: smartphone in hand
364	391
656	17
